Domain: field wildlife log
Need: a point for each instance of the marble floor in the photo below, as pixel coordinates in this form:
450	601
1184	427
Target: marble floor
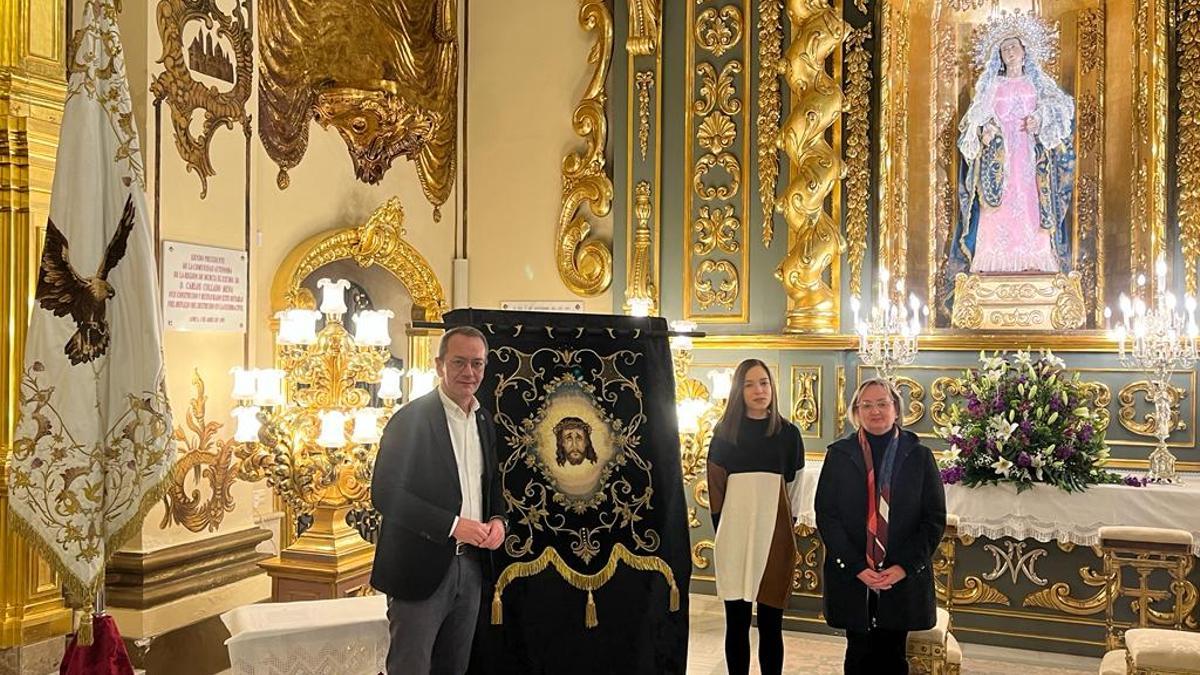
814	654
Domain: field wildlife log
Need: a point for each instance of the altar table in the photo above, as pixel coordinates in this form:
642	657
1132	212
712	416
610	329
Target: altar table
348	636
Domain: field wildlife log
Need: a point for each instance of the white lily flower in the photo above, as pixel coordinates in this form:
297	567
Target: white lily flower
1000	430
1002	467
1049	357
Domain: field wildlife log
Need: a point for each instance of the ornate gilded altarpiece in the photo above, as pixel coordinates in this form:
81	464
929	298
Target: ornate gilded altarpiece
841	155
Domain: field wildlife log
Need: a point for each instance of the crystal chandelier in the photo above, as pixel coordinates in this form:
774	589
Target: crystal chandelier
292	420
887	336
1157	339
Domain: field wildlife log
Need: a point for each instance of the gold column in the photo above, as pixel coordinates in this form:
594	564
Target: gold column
32	90
815	243
1149	138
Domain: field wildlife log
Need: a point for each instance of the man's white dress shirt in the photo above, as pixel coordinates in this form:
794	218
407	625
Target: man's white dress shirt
468	455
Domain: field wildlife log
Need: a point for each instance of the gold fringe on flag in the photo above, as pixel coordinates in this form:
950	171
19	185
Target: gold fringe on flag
584	582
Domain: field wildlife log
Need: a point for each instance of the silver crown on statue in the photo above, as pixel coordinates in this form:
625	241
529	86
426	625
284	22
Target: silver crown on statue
1038	36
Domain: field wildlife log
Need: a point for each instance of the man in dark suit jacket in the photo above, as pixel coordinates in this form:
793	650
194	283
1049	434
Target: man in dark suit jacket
437	486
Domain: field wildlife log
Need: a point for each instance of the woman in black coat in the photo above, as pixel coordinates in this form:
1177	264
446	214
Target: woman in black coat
881	510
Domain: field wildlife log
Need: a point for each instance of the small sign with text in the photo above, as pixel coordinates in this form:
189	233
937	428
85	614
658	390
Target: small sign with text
204	288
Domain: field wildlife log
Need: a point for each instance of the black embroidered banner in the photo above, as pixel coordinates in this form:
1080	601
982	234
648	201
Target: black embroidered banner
593	575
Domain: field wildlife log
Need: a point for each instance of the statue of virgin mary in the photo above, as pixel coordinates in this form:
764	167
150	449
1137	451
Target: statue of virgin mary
1018	161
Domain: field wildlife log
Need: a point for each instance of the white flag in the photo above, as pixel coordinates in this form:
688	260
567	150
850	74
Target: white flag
93	441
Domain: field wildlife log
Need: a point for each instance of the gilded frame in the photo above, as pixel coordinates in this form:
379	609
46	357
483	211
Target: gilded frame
1122	117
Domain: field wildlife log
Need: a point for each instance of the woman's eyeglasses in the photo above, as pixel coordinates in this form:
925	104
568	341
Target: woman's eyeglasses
871	406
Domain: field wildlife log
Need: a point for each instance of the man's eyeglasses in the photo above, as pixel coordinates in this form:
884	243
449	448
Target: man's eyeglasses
460	364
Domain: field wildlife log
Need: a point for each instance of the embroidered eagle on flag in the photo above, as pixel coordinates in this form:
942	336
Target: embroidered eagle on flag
62	291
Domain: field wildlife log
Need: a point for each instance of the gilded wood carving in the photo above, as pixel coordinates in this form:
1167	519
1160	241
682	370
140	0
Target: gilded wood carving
585	264
1187	152
717	119
815	243
770	109
204	457
222	104
384	74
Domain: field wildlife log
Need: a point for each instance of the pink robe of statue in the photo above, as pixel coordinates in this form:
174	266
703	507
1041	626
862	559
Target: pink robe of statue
1010	237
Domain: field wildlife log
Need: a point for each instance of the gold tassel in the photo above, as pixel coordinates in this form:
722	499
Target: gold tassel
589	619
83	635
497	609
674	598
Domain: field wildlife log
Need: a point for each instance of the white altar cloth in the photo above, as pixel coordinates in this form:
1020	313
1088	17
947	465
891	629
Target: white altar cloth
1046	513
348	636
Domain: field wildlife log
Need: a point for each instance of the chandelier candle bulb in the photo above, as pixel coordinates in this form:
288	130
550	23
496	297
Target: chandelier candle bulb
333	429
243	384
639	306
247	424
333	297
389	384
371	328
722	383
268	390
366	426
421	382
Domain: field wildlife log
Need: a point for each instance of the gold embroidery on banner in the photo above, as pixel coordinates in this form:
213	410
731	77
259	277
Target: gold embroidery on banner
586	265
530	504
60	498
104	81
584	582
202	455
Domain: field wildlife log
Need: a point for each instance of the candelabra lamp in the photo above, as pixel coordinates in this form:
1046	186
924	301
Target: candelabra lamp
887	336
292	432
697	406
1157	339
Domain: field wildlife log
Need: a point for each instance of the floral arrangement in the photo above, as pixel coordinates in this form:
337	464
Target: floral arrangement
1024	421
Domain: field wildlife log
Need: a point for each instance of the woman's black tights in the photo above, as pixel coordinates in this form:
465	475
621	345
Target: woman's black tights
737	638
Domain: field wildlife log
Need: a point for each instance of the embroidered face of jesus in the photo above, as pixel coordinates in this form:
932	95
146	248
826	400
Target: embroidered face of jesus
574	441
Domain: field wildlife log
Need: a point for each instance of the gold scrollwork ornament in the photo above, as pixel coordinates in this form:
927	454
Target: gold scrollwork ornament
1127	412
726	292
770	55
203	456
185	95
716	229
805	409
719	30
916	400
585	264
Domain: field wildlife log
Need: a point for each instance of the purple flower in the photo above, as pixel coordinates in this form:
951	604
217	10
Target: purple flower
1026	426
1085	433
1128	479
952	475
1023	460
1064	452
1056	404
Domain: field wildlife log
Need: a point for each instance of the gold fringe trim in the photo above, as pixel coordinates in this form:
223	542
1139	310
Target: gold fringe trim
584	582
84	634
81	593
